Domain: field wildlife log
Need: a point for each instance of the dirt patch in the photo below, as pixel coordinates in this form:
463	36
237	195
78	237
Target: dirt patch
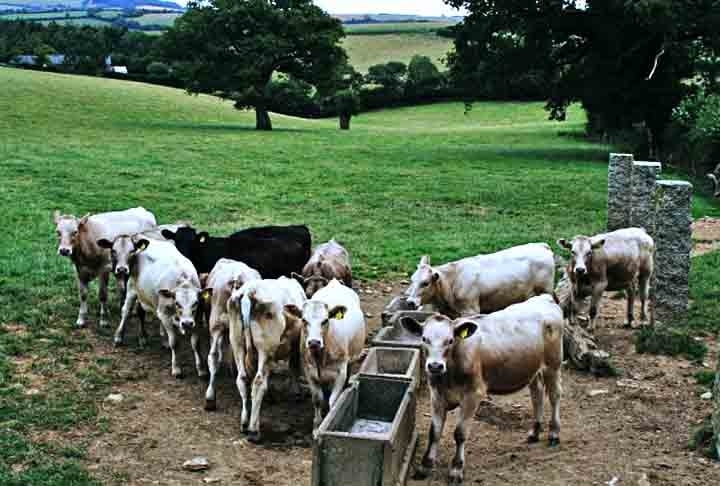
706	235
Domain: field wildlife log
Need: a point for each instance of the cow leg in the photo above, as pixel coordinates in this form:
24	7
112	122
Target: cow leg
318	400
172	343
103	296
127	307
595	299
538	404
214	359
83	282
194	338
437	424
295	364
142	334
468	406
553	384
163	337
259	387
237	341
339	384
630	304
644	287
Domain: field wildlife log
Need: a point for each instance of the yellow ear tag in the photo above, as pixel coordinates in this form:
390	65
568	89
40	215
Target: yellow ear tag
339	315
464	333
206	296
202	239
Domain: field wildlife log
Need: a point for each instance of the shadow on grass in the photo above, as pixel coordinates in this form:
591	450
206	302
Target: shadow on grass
229	127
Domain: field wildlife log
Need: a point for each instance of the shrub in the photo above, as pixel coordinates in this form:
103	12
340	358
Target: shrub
158	70
669	341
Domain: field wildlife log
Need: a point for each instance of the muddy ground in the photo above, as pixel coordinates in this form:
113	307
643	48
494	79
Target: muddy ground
634	428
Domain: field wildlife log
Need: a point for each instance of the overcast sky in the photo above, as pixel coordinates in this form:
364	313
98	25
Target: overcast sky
417	7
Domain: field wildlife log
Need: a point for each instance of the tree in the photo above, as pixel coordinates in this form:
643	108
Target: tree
423	77
233	48
347	105
390	76
626	62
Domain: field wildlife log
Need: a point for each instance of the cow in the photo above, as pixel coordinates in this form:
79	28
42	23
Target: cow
714	176
498	353
77	240
273	251
618	260
483	283
329	260
164	282
262	330
333	336
226	276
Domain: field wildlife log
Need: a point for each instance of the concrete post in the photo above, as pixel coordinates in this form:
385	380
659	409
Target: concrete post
619	179
642	195
673	244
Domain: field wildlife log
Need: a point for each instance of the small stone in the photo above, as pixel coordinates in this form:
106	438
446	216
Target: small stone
388	289
613	481
196	464
594	393
643	481
404	282
114	398
32	392
210	480
369	315
706	396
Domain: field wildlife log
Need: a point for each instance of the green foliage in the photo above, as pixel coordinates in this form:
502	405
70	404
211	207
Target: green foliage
234	47
705	378
423	76
702	439
670	342
158	70
390	75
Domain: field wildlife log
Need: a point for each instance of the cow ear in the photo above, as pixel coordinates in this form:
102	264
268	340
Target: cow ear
167	234
203	237
206	294
104	243
167	293
596	245
563	243
435	277
425	260
298	277
84	220
338	312
141	245
293	310
411	325
56	216
465	329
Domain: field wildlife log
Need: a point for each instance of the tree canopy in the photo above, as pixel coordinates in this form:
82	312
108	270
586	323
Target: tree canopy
233	48
628	62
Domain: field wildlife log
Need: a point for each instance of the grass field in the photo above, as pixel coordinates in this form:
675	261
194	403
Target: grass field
400	184
44	15
395	27
165	19
81	21
367	50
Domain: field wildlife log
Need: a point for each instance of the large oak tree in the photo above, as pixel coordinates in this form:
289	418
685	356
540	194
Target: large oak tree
233	48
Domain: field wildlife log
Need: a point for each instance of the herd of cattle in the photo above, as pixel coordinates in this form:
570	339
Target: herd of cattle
497	327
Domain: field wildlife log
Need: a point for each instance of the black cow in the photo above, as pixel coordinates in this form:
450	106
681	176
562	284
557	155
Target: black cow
271	250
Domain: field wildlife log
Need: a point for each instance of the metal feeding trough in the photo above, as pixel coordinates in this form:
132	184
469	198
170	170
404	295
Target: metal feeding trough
395	336
368	438
392	363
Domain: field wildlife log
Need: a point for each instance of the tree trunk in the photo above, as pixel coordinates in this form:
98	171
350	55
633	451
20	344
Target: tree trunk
262	119
345	121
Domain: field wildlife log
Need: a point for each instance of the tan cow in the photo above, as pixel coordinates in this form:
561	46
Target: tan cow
329	260
226	276
609	261
484	283
261	332
333	336
497	353
77	240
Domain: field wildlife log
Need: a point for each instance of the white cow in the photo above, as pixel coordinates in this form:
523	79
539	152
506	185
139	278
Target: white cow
77	240
484	283
226	276
262	330
165	283
333	335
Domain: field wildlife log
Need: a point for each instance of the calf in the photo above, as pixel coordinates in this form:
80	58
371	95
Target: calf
496	353
77	240
333	335
227	276
164	282
609	261
273	251
484	283
330	260
262	330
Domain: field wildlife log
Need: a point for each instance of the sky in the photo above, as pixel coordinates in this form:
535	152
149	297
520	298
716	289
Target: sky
417	7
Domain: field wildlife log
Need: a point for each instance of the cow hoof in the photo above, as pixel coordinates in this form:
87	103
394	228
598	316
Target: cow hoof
177	373
421	472
456	477
202	373
210	404
244	428
554	441
253	436
627	325
533	439
118	341
142	342
80	323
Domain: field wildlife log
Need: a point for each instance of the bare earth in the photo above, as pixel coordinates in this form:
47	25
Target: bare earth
636	430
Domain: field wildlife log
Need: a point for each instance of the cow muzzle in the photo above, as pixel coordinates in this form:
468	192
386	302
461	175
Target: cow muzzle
122	272
435	368
413	302
187	325
64	251
580	271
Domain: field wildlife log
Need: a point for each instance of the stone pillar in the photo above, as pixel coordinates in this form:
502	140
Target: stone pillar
673	244
619	175
642	195
716	410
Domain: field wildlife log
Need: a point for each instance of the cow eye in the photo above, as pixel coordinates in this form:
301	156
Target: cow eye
425	340
268	315
424	284
450	342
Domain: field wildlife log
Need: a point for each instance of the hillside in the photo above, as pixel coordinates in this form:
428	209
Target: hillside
45	5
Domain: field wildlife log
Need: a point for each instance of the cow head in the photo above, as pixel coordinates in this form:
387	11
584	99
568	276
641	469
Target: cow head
582	249
311	284
423	284
316	317
439	336
187	240
180	304
68	229
123	252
